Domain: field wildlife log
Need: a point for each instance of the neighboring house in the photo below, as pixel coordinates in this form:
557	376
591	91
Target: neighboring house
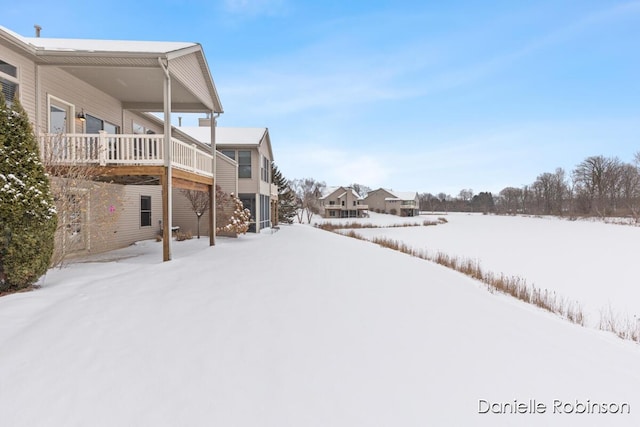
251	149
401	203
342	202
87	101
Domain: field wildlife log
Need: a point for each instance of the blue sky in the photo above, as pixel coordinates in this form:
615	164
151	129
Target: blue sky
431	96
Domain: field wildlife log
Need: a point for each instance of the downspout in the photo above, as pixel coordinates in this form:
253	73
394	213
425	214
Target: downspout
212	195
38	128
167	202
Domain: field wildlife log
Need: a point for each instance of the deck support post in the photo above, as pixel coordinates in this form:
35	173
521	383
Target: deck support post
166	227
212	189
166	176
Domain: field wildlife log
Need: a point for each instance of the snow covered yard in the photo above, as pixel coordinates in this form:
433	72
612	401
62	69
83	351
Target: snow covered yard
590	262
297	328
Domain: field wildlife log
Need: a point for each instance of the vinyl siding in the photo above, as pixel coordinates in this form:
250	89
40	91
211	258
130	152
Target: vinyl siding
129	229
187	70
250	185
375	200
26	79
131	117
62	85
112	215
227	174
184	216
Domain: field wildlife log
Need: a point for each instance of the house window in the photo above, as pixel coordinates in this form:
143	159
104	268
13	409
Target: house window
138	129
95	125
57	119
265	169
244	164
144	148
332	202
332	213
61	115
229	153
145	211
8	81
265	212
249	202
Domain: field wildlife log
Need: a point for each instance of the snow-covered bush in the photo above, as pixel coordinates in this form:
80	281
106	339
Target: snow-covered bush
231	216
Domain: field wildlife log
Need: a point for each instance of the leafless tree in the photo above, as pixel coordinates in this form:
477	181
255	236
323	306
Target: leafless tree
510	198
630	189
199	203
466	194
597	180
308	192
444	198
362	190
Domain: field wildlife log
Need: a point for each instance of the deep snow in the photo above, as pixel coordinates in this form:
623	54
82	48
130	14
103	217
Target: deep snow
297	328
592	263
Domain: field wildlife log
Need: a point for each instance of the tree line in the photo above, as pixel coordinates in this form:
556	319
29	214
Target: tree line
598	186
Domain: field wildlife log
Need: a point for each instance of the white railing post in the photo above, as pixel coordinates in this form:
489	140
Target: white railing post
195	157
102	147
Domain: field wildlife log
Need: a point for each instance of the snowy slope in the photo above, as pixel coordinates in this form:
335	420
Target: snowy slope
298	328
591	262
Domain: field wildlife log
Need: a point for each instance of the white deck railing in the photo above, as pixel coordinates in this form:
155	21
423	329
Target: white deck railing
118	149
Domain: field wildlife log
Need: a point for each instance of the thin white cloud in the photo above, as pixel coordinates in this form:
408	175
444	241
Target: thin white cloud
337	167
341	73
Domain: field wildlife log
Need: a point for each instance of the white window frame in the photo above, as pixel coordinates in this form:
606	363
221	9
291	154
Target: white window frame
11	79
59	102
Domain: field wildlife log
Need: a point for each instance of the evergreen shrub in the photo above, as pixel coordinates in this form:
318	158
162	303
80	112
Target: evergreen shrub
27	212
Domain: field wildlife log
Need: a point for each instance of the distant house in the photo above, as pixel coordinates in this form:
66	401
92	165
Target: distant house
88	102
342	202
250	148
400	203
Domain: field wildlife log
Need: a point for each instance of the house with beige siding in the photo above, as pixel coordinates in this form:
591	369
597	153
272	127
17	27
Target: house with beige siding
402	203
342	202
88	101
250	148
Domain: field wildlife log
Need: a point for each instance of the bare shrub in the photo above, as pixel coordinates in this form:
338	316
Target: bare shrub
332	226
608	320
181	236
74	189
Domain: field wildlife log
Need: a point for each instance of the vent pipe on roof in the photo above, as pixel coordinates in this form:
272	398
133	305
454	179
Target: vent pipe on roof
38	29
179	121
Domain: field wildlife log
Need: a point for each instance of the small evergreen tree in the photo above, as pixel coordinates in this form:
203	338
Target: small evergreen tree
287	206
27	212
